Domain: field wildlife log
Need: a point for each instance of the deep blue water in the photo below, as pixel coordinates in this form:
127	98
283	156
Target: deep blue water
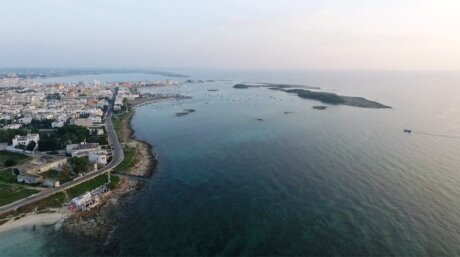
344	181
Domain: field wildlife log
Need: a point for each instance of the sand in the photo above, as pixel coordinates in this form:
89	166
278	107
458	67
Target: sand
34	219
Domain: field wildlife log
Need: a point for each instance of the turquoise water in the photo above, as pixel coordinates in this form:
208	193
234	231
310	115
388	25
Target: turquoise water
344	181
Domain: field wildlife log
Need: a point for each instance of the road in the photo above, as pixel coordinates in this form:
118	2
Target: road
117	158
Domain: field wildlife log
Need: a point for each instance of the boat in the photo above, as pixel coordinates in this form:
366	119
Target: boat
407	131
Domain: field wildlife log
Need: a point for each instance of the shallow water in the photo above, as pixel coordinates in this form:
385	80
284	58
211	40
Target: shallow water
344	181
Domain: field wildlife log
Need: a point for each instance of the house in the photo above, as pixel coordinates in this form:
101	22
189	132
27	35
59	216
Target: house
95	119
82	122
25	120
13	126
82	200
82	149
98	157
96	131
57	124
51	183
29	179
25	140
88	199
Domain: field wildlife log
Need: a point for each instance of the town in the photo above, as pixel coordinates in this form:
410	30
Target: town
54	135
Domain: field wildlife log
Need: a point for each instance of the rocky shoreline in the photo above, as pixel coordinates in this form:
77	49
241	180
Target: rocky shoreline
101	222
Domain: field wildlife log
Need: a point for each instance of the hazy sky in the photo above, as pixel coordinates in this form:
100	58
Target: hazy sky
253	34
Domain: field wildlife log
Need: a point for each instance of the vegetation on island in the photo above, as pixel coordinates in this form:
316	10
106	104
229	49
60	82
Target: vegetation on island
272	86
241	86
320	107
331	98
185	112
324	97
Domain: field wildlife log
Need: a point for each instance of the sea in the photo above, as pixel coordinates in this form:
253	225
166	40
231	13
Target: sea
258	172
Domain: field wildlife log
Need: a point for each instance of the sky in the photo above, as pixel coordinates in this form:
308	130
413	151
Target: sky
232	34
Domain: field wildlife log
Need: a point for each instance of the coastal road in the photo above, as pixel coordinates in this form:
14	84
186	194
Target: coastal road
117	158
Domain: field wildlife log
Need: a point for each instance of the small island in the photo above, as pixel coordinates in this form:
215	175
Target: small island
319	107
271	86
329	98
185	112
241	86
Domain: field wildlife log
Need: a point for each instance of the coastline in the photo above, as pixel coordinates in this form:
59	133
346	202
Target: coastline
149	159
101	222
32	220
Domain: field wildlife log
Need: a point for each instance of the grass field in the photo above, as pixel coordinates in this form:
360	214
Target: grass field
118	121
91	184
55	201
129	161
4	155
118	125
7	177
12	193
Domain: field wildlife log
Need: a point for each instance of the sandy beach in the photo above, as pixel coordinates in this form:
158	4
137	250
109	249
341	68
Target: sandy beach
31	220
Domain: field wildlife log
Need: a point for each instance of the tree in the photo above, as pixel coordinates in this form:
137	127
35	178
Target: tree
79	165
72	134
65	172
48	143
31	146
9	163
8	135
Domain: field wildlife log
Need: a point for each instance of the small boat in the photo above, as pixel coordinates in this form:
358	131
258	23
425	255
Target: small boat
407	131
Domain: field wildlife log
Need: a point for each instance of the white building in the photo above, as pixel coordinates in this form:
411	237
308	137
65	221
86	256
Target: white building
82	200
29	178
95	119
13	126
51	183
25	120
25	140
98	157
57	124
82	149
